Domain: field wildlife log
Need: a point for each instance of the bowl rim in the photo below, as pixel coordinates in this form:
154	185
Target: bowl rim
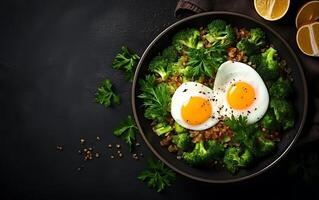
135	82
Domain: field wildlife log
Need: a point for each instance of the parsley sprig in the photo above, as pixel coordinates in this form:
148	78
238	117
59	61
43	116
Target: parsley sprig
157	175
127	130
105	94
126	61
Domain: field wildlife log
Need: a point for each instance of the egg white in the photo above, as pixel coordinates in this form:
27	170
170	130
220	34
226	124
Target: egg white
181	97
231	72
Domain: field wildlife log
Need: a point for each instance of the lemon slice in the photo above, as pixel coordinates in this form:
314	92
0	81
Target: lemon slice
308	39
308	13
271	9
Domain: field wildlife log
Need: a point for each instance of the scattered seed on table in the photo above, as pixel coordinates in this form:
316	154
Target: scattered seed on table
79	151
118	151
90	148
59	147
85	150
82	141
97	155
79	169
109	145
178	157
98	138
118	146
120	155
141	154
112	157
137	144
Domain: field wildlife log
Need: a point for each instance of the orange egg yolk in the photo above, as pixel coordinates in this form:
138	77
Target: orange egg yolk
196	111
241	95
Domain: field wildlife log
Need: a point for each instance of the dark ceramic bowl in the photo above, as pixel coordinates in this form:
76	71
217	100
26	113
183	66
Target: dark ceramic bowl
208	175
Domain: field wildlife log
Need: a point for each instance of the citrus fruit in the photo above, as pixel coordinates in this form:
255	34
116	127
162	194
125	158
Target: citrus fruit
271	9
308	13
308	39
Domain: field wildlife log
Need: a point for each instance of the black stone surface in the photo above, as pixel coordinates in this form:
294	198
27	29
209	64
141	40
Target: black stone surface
53	55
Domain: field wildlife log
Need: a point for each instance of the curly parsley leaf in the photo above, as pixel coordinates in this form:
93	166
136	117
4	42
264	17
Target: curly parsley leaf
127	130
126	61
157	175
156	99
244	133
205	61
105	94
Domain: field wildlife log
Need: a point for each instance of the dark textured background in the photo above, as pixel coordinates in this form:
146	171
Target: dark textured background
53	55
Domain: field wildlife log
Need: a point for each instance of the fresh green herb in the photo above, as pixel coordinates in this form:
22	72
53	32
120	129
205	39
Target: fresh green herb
244	133
156	99
127	130
126	61
105	94
157	175
205	61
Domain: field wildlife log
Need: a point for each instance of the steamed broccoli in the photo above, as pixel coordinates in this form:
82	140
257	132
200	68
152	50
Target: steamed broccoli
283	111
182	140
214	149
160	66
187	38
247	47
170	54
264	145
255	59
235	158
257	37
178	128
269	120
220	34
269	68
203	152
198	156
162	128
280	89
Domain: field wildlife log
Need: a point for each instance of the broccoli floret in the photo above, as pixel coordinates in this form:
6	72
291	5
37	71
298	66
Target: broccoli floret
198	156
269	120
247	47
217	25
255	59
220	33
215	149
182	140
234	158
160	66
257	37
170	54
264	145
178	128
269	68
283	111
187	38
280	89
162	128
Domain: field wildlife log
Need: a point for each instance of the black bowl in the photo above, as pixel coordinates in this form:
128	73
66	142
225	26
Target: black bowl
208	175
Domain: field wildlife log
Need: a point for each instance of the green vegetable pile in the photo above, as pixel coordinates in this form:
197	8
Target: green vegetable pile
195	55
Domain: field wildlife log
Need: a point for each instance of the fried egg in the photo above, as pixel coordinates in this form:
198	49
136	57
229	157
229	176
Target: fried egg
240	91
193	107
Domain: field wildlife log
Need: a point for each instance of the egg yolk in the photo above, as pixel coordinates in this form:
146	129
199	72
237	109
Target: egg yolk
241	95
196	111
